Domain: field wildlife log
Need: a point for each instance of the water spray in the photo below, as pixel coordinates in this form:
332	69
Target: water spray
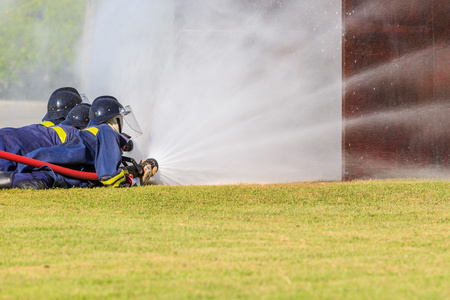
221	88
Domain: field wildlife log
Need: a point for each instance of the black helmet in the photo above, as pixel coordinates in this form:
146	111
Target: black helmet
78	116
61	102
104	108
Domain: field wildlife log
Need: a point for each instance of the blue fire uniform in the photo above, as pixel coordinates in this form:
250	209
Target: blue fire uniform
25	139
94	149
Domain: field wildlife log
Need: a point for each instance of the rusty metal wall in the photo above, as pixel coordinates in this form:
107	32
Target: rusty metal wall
396	92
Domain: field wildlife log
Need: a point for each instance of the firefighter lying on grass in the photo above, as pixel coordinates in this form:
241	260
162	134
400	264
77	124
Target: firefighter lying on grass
97	148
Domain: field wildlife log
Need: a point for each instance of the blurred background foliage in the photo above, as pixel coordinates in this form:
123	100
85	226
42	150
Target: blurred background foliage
39	40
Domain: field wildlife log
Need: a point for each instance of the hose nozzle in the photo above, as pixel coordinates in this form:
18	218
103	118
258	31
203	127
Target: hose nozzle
150	167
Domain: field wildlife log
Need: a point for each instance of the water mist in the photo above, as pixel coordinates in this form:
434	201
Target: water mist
225	92
396	90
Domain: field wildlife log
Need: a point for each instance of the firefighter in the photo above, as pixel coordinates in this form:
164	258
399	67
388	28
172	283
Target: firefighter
23	140
59	104
97	148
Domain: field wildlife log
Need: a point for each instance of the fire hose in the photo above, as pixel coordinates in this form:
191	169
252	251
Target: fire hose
135	170
58	169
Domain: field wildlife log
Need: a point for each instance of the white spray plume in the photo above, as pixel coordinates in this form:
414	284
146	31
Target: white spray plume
225	91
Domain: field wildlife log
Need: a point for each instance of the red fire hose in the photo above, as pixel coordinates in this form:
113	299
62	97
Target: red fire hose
58	169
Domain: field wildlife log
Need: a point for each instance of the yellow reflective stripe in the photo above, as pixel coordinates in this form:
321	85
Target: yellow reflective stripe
116	180
93	130
61	133
48	124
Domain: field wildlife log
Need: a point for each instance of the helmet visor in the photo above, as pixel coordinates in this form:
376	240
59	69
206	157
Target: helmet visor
131	126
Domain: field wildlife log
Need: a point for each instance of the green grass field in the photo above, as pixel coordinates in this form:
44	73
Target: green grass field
355	240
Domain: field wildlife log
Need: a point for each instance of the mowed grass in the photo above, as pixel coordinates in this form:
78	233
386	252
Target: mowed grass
354	240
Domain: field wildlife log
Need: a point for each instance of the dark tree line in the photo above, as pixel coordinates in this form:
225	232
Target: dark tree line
39	40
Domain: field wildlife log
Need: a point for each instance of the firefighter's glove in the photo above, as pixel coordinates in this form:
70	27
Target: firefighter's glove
132	181
128	146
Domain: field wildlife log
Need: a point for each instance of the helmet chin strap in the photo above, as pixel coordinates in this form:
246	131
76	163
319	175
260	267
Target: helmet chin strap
119	122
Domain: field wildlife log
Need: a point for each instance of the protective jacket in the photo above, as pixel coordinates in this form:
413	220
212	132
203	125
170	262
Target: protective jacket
25	139
93	149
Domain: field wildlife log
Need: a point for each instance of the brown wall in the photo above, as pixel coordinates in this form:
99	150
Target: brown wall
396	100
